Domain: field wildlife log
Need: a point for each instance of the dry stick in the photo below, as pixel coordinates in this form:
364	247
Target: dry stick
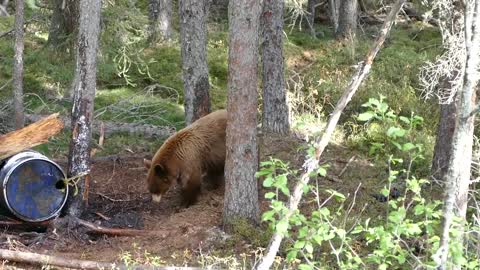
346	166
312	164
114	231
41	259
34	258
29	136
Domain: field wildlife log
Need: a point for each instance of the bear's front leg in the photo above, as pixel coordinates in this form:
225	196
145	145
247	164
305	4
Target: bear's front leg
191	186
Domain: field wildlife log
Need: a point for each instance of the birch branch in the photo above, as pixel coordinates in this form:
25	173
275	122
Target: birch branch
312	163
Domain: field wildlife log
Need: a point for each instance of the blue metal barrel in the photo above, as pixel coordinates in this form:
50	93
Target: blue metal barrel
32	187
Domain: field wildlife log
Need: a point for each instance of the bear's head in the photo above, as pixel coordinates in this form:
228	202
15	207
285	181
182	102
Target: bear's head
159	179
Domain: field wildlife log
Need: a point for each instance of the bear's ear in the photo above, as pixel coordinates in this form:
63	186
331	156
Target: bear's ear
160	170
147	163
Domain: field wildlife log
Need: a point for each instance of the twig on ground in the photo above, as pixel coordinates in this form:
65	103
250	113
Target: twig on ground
346	166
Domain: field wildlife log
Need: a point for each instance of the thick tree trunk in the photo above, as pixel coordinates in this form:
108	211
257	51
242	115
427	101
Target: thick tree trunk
193	36
275	117
84	93
241	193
18	65
347	19
443	145
160	16
458	174
64	22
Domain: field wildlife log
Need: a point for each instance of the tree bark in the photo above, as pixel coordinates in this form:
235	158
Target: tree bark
160	16
458	174
347	19
84	93
193	36
311	164
275	117
311	15
64	21
443	144
334	6
241	193
29	136
18	65
3	8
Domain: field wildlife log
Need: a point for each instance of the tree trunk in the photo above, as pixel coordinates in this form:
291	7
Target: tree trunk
160	16
64	21
241	193
3	8
18	65
458	174
347	19
193	36
275	117
84	93
219	9
310	16
334	6
443	144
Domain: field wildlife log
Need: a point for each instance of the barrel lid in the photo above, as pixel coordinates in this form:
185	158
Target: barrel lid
31	190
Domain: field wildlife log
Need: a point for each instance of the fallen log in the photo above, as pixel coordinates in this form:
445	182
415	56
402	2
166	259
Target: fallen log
43	260
29	136
146	130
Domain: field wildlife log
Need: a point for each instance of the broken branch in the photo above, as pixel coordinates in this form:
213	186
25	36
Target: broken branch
29	136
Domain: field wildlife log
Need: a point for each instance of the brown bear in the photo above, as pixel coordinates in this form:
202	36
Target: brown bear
195	152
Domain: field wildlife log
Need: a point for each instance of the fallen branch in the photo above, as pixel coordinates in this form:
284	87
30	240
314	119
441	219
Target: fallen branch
29	136
311	164
108	128
43	260
115	231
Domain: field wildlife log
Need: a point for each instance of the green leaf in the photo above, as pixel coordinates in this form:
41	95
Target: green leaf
268	216
408	147
309	247
299	244
292	255
282	227
366	116
268	182
321	171
262	173
404	119
269	195
396	132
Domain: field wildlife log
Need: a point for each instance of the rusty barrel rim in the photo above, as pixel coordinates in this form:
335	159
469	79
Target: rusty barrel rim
15	162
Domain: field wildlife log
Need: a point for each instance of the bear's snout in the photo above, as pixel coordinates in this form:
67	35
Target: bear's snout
156	198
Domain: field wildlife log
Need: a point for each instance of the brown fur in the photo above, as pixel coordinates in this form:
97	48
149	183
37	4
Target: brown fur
187	156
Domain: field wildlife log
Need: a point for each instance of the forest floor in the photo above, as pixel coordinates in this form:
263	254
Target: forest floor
118	198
